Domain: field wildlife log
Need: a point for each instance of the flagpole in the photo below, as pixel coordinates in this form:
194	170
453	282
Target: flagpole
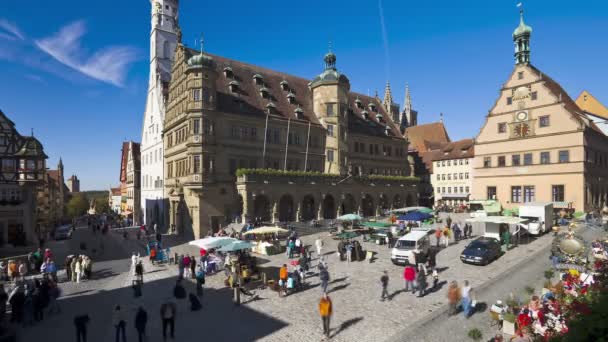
265	137
307	144
287	143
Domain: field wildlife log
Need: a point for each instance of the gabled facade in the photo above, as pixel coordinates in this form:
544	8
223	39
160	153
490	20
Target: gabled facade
593	110
536	143
22	171
163	41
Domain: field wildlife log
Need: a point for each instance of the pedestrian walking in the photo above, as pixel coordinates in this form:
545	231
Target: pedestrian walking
435	276
409	275
192	267
187	266
457	231
453	298
421	281
324	277
54	293
319	245
119	323
326	310
466	299
133	263
349	252
139	272
200	280
384	283
141	319
167	313
283	280
438	235
78	269
22	270
80	322
180	267
446	236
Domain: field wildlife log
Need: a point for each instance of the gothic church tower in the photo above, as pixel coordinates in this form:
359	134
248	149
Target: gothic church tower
164	36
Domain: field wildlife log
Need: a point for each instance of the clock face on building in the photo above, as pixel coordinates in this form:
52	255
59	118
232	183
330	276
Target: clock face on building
522	116
521	130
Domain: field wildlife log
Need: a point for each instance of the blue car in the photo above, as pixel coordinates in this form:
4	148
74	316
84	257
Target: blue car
481	251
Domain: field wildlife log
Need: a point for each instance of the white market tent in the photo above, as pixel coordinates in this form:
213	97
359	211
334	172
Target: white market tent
490	225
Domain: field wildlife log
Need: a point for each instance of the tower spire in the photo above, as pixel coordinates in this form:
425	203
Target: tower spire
521	38
388	97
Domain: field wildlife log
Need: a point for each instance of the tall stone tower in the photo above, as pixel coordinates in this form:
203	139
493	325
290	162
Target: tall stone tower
330	103
164	36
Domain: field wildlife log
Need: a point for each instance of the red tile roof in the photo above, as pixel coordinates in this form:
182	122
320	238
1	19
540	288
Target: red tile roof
460	149
247	99
427	137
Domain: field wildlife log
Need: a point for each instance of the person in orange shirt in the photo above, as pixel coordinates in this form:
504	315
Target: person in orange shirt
283	280
325	309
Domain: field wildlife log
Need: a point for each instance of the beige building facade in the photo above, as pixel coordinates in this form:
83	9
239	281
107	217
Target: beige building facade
536	144
452	177
280	132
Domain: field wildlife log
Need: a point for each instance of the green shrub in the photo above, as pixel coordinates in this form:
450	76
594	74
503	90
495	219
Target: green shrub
475	334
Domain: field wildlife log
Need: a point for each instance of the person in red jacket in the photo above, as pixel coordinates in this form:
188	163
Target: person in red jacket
409	274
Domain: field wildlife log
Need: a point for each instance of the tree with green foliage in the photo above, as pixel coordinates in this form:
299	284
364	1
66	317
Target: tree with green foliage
102	206
78	205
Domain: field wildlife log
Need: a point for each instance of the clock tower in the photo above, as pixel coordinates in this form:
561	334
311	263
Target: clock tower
164	36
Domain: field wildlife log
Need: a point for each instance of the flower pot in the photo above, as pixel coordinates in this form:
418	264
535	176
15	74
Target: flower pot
508	328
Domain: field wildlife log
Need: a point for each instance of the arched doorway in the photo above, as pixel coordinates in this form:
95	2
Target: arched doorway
329	207
383	202
367	206
349	205
261	208
397	203
409	200
308	208
286	212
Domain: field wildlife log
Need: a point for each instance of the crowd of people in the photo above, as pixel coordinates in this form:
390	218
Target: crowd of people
78	267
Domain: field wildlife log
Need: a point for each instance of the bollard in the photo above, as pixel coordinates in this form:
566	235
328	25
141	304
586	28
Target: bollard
237	296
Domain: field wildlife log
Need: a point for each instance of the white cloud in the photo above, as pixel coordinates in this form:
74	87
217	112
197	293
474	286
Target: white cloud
109	64
35	78
15	32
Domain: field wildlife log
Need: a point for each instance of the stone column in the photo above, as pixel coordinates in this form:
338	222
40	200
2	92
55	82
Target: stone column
245	212
299	212
275	213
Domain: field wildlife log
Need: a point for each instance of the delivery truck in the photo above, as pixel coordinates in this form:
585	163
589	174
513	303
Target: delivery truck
539	216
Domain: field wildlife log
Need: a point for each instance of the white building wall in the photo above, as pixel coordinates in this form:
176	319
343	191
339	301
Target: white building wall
452	178
163	40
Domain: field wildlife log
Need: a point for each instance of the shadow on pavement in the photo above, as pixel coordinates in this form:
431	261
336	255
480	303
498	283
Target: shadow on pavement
347	324
338	288
216	321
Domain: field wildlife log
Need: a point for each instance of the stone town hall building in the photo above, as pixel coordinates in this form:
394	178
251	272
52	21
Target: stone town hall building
243	142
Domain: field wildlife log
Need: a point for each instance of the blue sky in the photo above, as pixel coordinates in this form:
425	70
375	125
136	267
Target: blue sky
77	73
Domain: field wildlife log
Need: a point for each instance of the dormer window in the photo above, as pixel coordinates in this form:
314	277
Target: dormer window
291	97
271	107
358	103
365	114
372	107
234	86
379	117
258	79
299	112
284	85
228	72
265	92
387	130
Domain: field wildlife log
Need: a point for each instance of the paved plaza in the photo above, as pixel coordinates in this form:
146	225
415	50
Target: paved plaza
354	289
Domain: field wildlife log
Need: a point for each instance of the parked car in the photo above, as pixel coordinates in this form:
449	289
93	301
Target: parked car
63	232
481	251
414	242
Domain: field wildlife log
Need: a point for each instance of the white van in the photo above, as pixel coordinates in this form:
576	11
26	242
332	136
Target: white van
416	241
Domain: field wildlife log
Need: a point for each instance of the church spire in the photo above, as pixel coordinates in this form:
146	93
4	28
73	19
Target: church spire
521	38
388	97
